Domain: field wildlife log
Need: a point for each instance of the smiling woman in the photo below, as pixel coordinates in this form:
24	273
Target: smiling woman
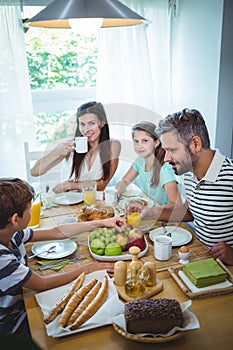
100	161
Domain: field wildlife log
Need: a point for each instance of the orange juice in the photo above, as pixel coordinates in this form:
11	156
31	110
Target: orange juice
89	197
134	219
35	214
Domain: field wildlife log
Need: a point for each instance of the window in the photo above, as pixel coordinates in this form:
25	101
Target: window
62	67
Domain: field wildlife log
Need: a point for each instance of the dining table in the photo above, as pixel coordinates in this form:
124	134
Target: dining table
214	311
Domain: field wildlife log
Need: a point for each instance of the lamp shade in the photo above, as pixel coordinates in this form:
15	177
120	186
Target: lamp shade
59	13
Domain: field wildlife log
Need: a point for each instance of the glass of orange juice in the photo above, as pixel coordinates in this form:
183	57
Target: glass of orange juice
89	192
35	213
133	210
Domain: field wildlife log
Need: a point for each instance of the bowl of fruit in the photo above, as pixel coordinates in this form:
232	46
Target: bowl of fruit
108	244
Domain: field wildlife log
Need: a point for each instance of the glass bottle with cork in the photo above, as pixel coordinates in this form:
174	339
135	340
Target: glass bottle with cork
135	283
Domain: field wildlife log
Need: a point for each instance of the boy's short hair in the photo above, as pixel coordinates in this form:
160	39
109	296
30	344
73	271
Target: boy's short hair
15	196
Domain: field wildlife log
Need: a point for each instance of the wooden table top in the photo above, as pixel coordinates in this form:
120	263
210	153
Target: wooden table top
214	313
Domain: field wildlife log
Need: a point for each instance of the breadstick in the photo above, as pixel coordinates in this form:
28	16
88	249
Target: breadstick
74	301
59	306
93	307
84	303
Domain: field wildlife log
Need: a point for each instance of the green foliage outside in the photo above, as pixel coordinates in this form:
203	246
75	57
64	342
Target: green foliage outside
51	127
59	59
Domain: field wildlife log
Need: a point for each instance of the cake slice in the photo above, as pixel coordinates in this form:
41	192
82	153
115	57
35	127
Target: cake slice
204	273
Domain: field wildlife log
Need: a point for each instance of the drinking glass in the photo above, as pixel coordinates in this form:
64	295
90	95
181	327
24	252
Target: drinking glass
35	213
133	210
89	192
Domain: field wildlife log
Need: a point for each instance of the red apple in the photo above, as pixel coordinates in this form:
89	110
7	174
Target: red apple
137	242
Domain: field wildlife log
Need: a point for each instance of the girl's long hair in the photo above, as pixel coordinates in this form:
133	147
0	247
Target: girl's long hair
159	152
104	140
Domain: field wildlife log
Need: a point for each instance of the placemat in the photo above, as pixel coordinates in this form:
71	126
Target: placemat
174	272
197	252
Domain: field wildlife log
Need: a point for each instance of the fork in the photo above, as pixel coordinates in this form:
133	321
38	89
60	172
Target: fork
57	263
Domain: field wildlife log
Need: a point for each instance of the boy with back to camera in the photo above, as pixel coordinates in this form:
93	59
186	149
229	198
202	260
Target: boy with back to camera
15	211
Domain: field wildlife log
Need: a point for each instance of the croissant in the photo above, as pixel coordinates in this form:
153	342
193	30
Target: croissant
59	306
93	307
75	301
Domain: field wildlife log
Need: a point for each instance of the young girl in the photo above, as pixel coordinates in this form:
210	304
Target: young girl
157	179
98	163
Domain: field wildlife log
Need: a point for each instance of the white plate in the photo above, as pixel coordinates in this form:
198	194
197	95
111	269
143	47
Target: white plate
195	289
103	316
122	201
124	256
64	248
179	235
67	198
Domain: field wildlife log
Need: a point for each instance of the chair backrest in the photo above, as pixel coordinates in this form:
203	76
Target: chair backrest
44	182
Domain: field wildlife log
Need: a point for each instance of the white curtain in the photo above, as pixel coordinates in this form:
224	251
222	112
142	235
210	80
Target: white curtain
133	61
16	114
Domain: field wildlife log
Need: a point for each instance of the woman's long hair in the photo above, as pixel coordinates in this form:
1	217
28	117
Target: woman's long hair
159	152
104	140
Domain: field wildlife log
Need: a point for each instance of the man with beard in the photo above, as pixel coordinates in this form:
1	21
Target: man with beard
208	182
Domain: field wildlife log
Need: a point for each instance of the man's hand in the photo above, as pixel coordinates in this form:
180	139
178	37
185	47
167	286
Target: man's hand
222	251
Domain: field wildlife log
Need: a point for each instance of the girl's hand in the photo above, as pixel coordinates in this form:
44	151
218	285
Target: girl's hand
121	186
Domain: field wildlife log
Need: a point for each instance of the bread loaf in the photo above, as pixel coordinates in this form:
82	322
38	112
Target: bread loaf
93	307
74	301
155	316
84	303
60	305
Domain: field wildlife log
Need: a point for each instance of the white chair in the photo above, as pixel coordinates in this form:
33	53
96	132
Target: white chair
44	182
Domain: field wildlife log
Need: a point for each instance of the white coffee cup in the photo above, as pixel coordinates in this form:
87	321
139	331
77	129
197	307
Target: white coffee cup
162	247
81	144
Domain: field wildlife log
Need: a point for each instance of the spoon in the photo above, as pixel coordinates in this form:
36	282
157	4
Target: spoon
165	231
50	250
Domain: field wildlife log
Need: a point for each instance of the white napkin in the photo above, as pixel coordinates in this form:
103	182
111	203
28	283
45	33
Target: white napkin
195	289
103	316
190	322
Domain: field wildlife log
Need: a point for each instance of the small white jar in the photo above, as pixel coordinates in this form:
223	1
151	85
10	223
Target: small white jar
110	196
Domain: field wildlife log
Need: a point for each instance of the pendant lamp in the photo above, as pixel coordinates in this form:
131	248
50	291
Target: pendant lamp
61	13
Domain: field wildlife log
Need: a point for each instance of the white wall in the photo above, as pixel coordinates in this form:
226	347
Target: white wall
196	46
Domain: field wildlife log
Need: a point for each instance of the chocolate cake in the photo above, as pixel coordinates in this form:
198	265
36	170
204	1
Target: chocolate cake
152	315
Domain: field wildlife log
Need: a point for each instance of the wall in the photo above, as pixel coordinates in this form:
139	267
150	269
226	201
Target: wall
224	129
195	58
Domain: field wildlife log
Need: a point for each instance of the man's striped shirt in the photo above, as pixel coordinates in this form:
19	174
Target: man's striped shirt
211	201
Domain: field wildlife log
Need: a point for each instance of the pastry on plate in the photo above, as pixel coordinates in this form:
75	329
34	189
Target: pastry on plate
95	212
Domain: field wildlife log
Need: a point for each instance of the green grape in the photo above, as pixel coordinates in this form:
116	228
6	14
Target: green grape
92	236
